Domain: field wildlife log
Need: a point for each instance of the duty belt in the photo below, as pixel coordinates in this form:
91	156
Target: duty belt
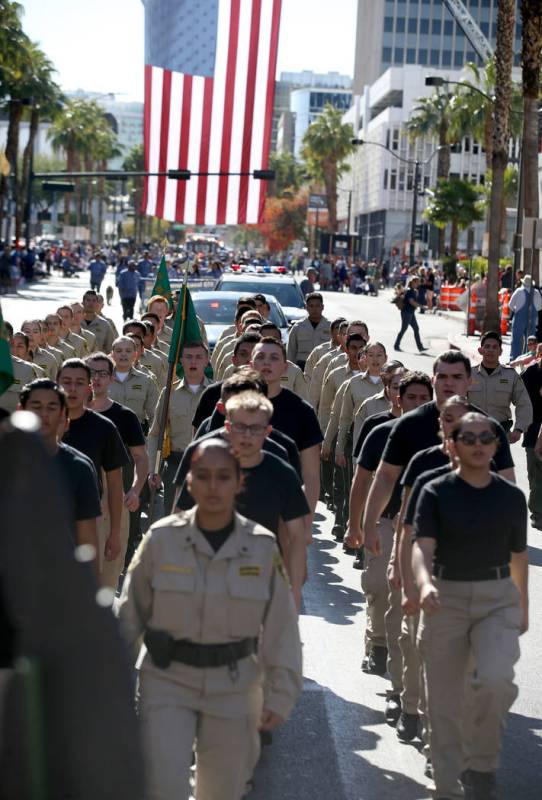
483	574
164	649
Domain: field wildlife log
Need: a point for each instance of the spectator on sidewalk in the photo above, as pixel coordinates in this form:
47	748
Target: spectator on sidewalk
525	304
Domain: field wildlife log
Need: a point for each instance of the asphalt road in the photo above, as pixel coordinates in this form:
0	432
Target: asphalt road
337	745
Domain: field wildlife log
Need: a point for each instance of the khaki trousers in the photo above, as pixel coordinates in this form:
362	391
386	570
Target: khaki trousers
110	571
227	748
374	583
478	620
411	697
392	622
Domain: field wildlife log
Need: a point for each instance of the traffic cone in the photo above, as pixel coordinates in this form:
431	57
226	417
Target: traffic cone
472	314
505	313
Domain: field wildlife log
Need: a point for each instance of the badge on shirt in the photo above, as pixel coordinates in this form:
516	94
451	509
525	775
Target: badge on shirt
250	572
137	386
503	380
177	568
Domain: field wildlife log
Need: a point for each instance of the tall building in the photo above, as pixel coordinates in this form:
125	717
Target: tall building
399	32
309	102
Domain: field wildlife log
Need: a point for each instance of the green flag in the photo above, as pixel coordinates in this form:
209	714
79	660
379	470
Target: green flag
6	364
161	284
185	329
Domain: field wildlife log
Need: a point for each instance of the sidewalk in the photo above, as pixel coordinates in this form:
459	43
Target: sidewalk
458	339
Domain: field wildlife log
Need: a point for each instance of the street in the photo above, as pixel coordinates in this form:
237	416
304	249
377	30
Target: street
337	744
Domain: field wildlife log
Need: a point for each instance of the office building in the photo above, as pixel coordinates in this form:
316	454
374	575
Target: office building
402	32
308	103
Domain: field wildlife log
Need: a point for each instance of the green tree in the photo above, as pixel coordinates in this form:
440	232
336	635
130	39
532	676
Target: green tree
327	143
531	61
455	202
504	53
288	175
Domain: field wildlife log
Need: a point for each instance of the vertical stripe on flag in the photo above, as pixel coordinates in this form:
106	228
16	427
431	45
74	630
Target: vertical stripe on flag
164	134
228	111
194	145
238	119
183	145
204	150
170	200
154	139
146	133
249	109
217	117
270	94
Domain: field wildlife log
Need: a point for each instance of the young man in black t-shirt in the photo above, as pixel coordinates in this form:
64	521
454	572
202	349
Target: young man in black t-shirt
97	438
134	474
272	494
291	415
471	568
48	401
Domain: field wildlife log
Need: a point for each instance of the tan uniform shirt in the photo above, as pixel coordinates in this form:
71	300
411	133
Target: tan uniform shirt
47	361
166	334
138	392
295	381
102	331
176	583
229	331
111	325
56	352
224	359
182	407
219	348
304	338
373	405
79	344
314	357
357	390
65	349
495	393
317	379
90	340
23	373
334	380
155	364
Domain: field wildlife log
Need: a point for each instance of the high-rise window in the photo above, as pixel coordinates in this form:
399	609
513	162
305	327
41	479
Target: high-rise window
458	59
424	26
435	58
411	55
412	25
436	27
386	55
399	55
388	24
446	58
422	56
400	24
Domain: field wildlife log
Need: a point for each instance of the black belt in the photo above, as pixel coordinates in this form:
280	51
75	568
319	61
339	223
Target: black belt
164	649
485	574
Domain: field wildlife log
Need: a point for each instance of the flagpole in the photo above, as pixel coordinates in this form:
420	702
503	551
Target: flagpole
158	464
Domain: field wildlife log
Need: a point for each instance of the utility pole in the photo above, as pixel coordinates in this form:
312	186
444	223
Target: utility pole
415	191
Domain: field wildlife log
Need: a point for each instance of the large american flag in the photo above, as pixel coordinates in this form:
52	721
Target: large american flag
209	90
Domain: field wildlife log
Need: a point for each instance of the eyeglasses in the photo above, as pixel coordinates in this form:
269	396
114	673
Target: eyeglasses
99	373
470	439
252	430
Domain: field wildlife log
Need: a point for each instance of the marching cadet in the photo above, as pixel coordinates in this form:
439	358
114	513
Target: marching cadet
76	326
242	353
359	388
335	357
131	387
40	355
223	359
52	337
78	343
97	325
495	388
471	568
185	395
293	378
208	590
322	349
247	303
146	358
308	333
23	371
152	324
337	377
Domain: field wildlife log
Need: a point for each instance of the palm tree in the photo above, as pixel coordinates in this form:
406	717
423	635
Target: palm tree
457	202
531	60
504	53
431	117
288	174
326	145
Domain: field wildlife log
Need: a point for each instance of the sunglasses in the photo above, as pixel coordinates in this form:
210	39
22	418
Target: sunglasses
469	438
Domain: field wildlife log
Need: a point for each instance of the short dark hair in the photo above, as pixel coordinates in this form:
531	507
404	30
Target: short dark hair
218	446
277	342
91	292
473	416
336	323
149	327
101	357
192	345
246	338
412	377
65	308
355	337
20	334
261	298
314	296
134	323
267	326
453	357
245	379
42	383
74	363
246	300
9	327
149	314
491	335
242	309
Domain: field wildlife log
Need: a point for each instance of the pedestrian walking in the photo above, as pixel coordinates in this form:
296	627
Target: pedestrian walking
128	285
471	569
97	269
208	590
408	315
525	304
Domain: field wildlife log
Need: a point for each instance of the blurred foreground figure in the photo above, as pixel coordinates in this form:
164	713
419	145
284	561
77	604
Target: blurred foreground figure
68	728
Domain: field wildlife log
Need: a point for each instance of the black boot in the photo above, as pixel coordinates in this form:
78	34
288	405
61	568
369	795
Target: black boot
375	662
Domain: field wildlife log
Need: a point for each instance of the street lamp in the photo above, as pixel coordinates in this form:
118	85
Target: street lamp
417	164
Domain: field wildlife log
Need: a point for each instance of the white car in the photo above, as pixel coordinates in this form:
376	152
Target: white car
285	289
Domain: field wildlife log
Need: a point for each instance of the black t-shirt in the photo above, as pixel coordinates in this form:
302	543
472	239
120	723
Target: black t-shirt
474	528
206	404
369	424
424	461
532	378
421	481
419	429
80	481
217	538
270	491
127	424
296	418
97	438
410	294
371	456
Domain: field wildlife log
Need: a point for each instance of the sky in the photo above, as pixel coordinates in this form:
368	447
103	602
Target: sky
98	46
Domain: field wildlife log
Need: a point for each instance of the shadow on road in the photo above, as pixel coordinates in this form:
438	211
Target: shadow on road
520	774
535	556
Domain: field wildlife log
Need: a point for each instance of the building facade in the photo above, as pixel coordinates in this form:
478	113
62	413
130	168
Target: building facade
308	103
402	32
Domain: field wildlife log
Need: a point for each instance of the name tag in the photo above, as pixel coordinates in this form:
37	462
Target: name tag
17	381
503	380
179	570
137	386
250	572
